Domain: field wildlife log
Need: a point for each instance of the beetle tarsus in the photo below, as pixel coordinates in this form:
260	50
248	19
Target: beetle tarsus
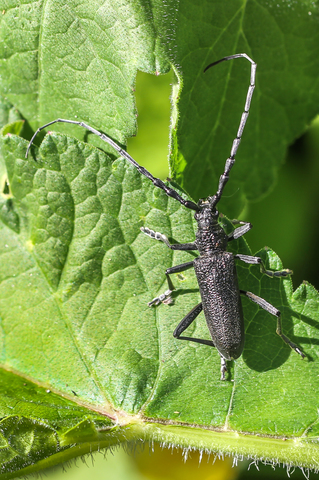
163	298
223	368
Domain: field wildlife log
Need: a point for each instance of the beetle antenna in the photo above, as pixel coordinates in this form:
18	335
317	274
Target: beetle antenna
231	159
170	192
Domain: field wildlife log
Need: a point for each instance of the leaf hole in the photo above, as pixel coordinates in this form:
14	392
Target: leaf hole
150	146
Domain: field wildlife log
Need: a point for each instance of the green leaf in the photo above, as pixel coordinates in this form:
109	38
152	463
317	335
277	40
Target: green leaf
82	65
75	282
38	427
14	128
283	39
84	362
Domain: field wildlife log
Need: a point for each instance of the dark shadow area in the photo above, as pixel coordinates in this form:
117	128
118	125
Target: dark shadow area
264	349
287	220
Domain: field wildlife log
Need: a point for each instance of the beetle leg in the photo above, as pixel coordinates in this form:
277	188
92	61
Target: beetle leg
273	311
185	323
163	238
223	368
258	261
166	296
240	231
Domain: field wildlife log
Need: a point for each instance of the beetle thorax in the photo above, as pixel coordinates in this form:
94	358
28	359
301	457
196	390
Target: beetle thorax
210	236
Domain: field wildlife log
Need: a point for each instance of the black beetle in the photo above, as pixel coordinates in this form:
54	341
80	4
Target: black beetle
215	267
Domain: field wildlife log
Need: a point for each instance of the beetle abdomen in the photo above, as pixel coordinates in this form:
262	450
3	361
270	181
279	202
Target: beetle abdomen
218	286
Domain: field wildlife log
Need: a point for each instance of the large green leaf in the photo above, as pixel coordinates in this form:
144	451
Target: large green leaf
75	282
85	363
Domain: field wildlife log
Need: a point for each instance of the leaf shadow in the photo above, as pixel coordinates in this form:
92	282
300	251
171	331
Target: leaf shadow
177	293
264	349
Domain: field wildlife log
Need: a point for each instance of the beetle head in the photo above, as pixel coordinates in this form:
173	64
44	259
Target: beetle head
207	215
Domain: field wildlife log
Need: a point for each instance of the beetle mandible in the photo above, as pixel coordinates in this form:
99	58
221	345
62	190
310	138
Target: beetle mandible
215	268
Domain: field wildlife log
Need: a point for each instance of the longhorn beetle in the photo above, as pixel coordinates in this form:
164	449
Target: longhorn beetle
214	267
